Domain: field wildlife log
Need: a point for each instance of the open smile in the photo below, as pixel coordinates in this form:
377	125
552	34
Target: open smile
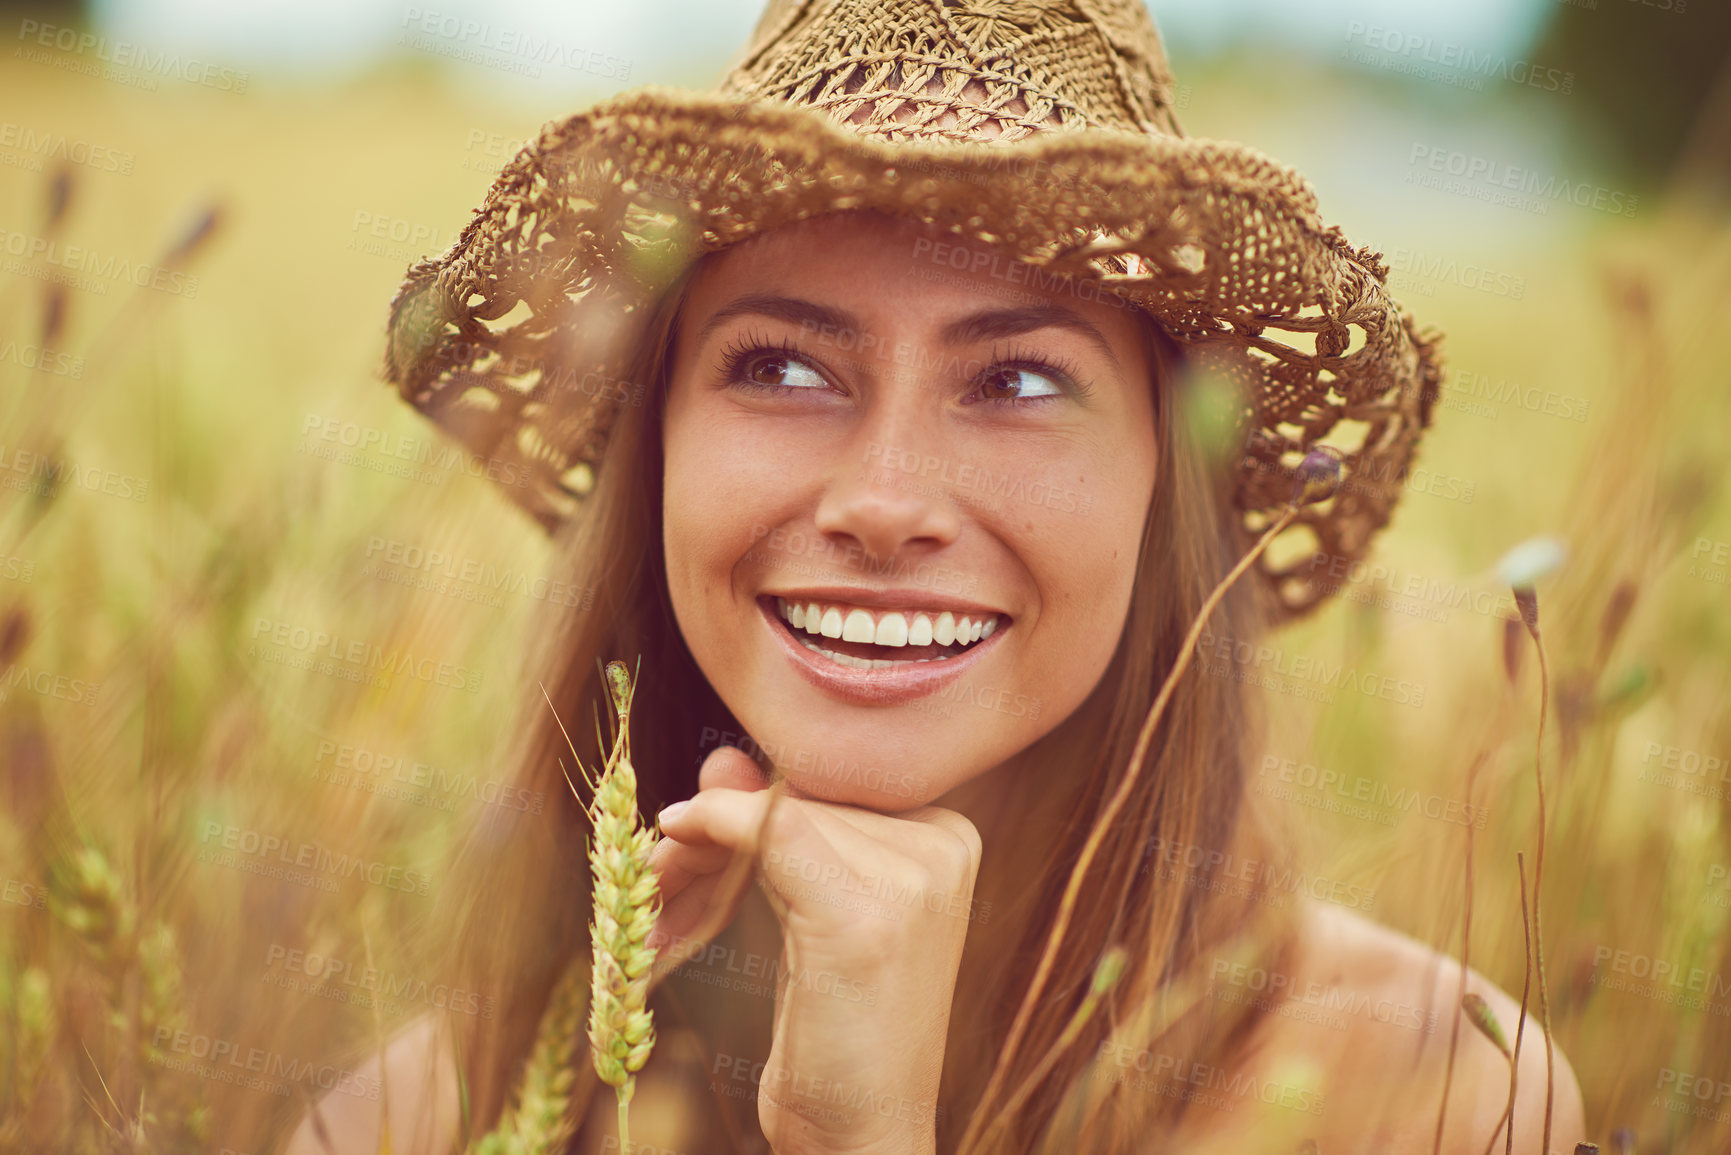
910	654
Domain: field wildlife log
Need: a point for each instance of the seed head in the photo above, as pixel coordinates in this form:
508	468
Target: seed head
621	1027
1317	476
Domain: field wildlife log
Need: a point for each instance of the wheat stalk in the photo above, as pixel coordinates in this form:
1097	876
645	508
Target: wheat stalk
621	1027
541	1121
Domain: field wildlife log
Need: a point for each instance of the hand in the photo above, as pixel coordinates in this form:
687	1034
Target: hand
874	911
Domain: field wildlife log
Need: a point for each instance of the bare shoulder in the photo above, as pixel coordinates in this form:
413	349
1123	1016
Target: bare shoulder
418	1076
1379	1012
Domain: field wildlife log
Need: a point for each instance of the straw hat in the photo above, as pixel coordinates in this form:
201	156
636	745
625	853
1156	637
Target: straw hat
1043	127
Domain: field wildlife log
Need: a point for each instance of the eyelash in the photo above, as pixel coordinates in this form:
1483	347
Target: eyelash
737	356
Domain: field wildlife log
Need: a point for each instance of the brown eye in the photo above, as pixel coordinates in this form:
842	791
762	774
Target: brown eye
769	370
1000	383
1008	383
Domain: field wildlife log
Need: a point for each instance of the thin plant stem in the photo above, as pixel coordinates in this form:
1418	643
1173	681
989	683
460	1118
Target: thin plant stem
1538	875
1479	760
624	1122
1096	991
1460	996
1508	1119
1096	836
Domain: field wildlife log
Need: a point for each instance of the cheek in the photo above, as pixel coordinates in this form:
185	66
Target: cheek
1086	579
719	497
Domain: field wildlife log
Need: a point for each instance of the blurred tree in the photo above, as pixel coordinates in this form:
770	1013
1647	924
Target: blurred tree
1653	81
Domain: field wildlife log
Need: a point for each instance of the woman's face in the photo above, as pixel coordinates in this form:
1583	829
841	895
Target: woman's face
868	418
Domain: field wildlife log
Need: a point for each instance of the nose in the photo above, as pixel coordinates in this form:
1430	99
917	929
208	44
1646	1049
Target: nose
888	510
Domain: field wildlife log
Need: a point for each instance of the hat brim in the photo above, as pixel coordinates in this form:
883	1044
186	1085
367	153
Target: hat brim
518	338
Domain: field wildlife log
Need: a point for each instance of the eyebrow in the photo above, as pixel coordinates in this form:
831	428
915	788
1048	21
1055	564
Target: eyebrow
986	325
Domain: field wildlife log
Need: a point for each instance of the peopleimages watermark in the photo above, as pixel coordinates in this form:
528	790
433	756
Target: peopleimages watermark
818	772
1415	594
746	972
1486	178
17	892
1448	62
785	544
41	359
398	238
249	849
229	1062
1200	1084
1372	477
1001	267
44	144
90	270
40	474
1690	771
1711	561
1263	664
970	479
504	47
1479	394
1709	1093
942	703
152	62
496	147
48	684
345	980
1311	1000
815	1099
1226	873
1416	271
1357	796
393	776
353	659
839	886
1663	980
1718	885
465	578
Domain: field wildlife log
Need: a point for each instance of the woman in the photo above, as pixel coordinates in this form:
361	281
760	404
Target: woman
857	396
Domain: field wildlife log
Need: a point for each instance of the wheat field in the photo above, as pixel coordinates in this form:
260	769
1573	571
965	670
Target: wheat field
221	830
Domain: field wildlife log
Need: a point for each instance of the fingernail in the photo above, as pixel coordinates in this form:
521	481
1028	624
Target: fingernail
671	813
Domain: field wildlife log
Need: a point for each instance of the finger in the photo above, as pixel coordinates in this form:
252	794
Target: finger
719	817
693	908
730	768
678	864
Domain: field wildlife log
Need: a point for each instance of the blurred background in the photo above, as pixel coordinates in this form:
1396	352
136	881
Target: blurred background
220	829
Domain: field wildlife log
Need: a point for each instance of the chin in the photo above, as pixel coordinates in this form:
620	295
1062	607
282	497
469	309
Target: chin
870	770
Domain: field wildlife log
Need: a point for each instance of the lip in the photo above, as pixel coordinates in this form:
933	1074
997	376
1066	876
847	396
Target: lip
888	687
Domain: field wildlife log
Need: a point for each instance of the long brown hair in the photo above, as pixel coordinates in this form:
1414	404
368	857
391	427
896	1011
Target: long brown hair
518	891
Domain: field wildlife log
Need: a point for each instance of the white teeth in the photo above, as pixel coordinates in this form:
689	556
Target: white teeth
944	629
892	630
858	627
896	628
920	633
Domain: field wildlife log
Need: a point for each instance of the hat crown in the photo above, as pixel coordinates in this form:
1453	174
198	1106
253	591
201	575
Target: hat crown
962	70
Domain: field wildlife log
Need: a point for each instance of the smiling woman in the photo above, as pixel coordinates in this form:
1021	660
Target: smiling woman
911	505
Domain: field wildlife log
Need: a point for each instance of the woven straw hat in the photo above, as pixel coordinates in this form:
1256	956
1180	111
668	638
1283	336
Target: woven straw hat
1042	127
